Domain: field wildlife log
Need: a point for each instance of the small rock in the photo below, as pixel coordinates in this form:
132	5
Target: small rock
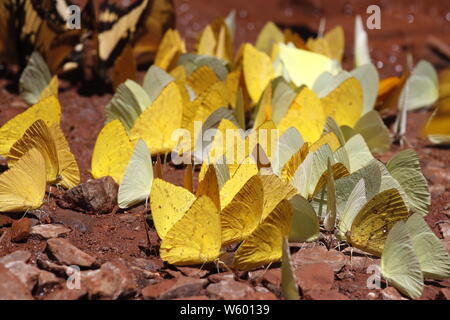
60	270
74	220
66	253
67	294
174	288
193	272
445	229
217	277
26	273
111	281
151	264
47	231
261	293
373	296
335	259
230	289
94	196
390	293
430	293
256	276
19	255
314	276
47	279
5	220
444	293
20	230
325	295
273	276
11	288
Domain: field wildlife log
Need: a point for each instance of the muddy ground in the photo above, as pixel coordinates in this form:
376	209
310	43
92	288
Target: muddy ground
119	237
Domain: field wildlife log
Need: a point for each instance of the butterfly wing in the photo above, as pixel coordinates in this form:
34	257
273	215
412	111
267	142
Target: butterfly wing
168	204
157	123
48	110
112	152
399	263
195	237
370	227
38	136
137	180
23	186
68	167
264	245
433	258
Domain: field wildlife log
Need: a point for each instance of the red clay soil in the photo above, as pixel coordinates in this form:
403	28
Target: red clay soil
405	26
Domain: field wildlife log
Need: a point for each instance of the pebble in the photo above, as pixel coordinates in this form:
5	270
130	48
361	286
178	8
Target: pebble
314	276
390	293
180	287
66	253
94	197
48	231
111	281
335	259
230	289
20	230
325	295
11	288
19	255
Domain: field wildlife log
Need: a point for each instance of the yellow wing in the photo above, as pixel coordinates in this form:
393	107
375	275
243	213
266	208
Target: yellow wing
243	214
112	152
23	186
201	79
51	89
345	103
374	221
209	186
68	167
306	114
258	71
264	245
159	121
275	190
38	136
195	238
168	204
47	110
438	126
170	49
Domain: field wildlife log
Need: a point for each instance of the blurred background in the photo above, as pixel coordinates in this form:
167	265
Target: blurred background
406	25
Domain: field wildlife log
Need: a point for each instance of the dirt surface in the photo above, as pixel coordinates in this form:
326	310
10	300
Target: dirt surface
120	236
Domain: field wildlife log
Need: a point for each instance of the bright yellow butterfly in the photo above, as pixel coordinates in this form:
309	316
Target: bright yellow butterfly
345	103
48	110
188	226
22	187
62	168
157	123
112	152
170	49
258	71
264	245
306	114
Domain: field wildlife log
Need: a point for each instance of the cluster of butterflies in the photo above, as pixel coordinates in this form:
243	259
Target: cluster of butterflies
323	177
37	154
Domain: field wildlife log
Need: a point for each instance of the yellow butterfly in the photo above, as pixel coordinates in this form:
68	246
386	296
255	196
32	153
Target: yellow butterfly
215	40
188	226
258	71
331	44
306	114
157	123
112	152
345	103
264	245
62	168
170	49
23	186
48	110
